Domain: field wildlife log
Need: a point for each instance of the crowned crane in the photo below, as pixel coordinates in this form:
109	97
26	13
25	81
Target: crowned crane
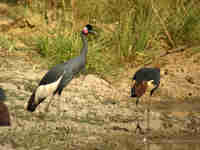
145	78
60	75
4	113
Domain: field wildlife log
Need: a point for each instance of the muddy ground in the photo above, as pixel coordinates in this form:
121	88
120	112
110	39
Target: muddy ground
99	115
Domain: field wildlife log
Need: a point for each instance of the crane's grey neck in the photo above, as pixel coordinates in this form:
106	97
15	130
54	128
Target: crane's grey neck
85	45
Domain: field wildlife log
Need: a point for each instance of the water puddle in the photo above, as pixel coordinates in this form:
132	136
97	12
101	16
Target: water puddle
173	145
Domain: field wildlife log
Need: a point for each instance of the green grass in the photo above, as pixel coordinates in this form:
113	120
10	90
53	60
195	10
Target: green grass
7	42
129	31
184	27
58	48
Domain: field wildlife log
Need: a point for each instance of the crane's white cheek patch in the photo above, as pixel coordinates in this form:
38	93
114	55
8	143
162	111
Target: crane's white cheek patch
151	85
44	91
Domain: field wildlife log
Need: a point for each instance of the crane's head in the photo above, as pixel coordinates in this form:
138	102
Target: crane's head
88	29
138	89
151	84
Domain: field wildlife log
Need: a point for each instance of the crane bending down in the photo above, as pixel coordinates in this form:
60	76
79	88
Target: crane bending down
59	76
145	78
4	113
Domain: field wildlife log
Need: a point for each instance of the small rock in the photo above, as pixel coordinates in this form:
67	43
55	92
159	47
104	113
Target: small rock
182	70
190	79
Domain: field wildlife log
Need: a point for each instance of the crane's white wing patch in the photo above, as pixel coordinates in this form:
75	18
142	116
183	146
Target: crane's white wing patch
46	90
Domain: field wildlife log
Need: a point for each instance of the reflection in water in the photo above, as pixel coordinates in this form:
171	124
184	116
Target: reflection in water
173	146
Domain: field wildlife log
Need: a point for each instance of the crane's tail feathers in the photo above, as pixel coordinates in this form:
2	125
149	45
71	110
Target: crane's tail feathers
32	104
133	94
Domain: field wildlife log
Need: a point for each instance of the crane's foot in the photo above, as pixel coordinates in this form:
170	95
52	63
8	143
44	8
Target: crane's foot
46	109
138	128
148	129
59	107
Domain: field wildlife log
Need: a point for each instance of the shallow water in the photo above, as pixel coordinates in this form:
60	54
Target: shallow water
177	118
174	145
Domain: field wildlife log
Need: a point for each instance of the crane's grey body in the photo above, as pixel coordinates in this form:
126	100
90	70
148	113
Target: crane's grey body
58	77
67	69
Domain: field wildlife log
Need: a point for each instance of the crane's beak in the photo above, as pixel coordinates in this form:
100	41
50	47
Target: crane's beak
92	32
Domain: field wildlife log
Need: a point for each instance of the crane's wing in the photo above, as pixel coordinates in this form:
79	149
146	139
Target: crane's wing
52	75
139	74
147	74
67	77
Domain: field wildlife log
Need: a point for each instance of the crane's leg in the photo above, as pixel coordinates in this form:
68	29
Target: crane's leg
48	104
148	115
137	119
59	104
137	101
138	126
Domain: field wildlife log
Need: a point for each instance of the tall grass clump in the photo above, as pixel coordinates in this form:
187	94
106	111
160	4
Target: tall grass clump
179	22
61	47
7	43
184	22
128	30
133	22
58	48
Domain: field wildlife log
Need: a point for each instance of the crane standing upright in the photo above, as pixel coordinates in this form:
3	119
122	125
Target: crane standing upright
59	76
143	79
4	113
